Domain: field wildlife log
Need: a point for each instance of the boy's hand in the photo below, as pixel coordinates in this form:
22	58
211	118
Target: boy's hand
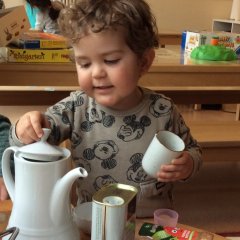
29	127
3	190
179	169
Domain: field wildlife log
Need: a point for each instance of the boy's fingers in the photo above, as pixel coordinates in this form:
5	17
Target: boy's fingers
38	122
38	131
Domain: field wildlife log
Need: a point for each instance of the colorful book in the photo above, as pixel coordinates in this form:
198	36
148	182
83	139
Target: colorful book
41	40
64	55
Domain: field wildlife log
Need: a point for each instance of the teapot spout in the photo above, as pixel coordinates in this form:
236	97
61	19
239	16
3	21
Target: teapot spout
60	206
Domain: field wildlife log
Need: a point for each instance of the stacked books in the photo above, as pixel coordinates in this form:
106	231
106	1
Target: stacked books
33	47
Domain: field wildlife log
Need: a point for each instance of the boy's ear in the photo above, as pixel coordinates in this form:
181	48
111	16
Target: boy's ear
147	60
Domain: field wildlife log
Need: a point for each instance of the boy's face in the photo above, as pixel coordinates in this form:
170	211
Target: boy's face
108	70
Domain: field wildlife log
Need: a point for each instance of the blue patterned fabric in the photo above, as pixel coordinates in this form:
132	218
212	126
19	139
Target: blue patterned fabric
4	133
31	13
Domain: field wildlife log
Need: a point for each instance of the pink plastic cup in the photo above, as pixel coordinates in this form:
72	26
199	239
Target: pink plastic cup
165	217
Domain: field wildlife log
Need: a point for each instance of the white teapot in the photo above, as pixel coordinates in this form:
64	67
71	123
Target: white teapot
40	191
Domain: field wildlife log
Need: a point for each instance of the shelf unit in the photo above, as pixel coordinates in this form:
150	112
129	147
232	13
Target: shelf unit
226	25
232	26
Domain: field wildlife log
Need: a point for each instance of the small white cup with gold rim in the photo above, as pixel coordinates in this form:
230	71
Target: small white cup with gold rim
164	147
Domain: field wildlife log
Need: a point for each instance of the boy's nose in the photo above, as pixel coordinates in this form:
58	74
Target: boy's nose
98	72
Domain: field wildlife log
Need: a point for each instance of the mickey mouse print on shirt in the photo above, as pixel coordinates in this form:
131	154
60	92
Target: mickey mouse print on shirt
135	172
133	129
94	116
160	106
104	151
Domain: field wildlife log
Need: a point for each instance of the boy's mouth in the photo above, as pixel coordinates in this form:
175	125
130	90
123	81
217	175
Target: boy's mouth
103	87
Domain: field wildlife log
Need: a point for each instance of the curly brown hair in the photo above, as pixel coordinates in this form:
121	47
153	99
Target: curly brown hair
97	15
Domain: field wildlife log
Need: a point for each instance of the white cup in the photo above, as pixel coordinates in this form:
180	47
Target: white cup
164	147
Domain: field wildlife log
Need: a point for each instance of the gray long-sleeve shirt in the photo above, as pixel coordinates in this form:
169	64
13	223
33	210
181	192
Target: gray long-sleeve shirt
110	144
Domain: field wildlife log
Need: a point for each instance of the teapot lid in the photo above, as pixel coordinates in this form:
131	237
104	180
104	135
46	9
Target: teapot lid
41	150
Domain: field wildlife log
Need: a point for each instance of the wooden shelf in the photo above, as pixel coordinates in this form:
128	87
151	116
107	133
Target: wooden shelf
216	131
170	39
226	25
48	95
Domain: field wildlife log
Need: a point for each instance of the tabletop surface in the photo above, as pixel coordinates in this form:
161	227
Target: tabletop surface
5	211
174	55
171	55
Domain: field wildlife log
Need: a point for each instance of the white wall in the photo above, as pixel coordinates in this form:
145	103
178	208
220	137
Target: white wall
13	3
179	15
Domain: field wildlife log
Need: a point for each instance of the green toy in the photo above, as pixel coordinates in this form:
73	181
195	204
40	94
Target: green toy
213	53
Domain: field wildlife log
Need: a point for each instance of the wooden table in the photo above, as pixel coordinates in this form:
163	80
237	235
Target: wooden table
5	209
182	79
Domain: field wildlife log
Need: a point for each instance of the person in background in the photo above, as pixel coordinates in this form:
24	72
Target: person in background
2	5
111	120
47	15
31	13
4	143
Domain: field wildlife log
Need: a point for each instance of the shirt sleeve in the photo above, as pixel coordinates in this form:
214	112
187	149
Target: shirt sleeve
61	118
178	126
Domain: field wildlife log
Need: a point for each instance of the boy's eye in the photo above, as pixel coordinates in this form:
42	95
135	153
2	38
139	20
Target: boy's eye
85	65
112	61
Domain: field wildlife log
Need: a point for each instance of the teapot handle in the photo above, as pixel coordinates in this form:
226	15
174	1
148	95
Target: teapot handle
6	171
